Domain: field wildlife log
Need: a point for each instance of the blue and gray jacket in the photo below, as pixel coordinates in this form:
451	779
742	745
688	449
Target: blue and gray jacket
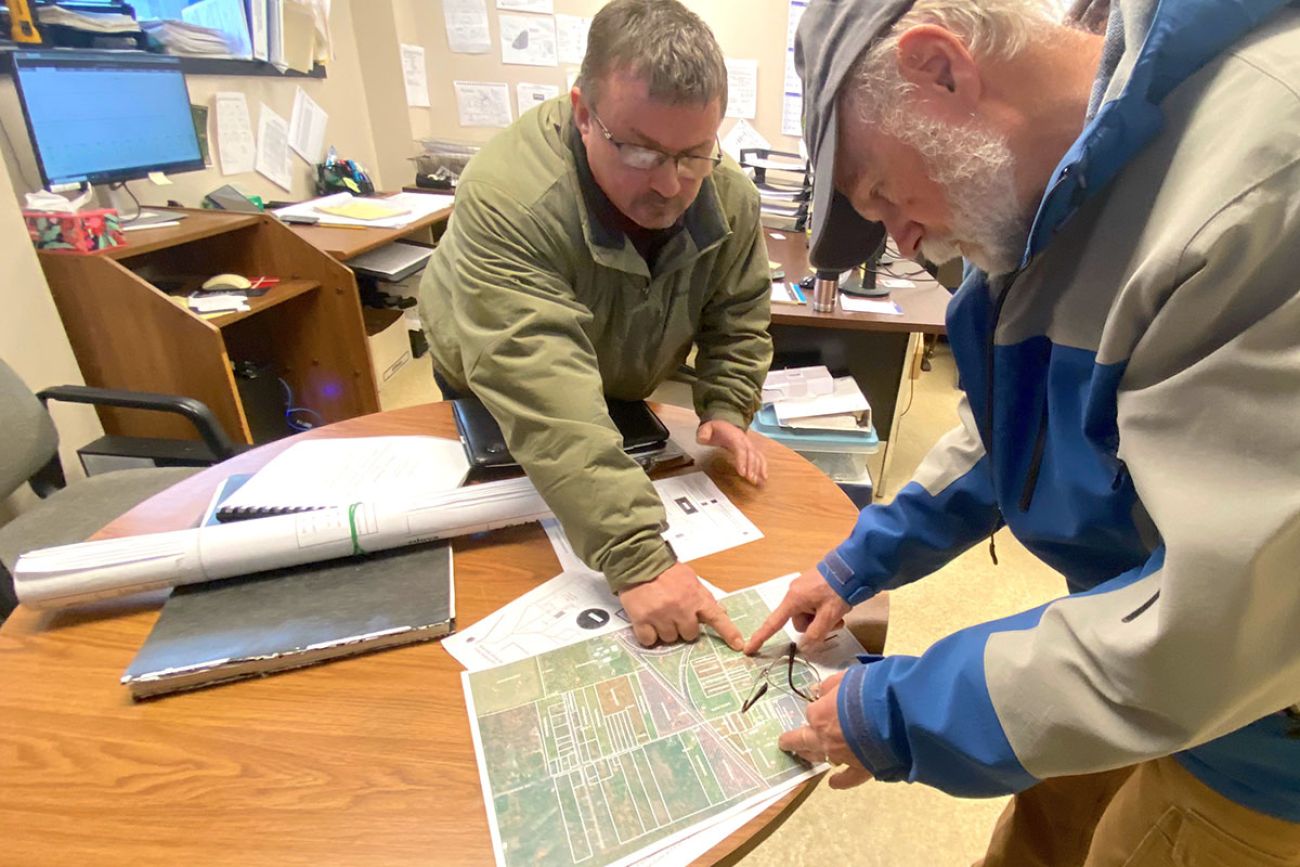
1132	414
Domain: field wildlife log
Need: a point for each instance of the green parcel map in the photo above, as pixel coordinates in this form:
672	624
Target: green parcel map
599	752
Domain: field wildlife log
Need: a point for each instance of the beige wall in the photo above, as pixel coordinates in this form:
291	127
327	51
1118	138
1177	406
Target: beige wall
341	94
32	341
746	29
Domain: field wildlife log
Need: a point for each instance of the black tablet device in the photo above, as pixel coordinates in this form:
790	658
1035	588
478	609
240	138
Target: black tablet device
485	446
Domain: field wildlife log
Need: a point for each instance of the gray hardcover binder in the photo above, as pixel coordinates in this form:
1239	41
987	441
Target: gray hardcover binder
241	627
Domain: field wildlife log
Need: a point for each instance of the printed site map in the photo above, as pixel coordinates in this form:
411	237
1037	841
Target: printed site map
596	751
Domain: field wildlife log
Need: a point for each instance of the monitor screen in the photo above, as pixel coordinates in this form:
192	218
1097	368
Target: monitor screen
98	118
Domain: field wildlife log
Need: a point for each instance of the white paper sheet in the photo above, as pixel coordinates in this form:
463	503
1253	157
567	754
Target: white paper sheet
793	83
273	159
792	114
467	26
742	136
482	103
307	127
530	95
257	29
847	398
226	16
870	305
742	88
414	76
571	38
527	40
546	7
797	8
701	521
327	472
236	148
575	605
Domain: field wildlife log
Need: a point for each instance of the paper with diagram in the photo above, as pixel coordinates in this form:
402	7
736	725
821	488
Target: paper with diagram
604	751
482	103
571	607
527	40
701	521
467	26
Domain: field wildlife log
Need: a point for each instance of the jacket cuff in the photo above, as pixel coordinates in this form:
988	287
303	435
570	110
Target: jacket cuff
839	575
721	412
861	733
640	565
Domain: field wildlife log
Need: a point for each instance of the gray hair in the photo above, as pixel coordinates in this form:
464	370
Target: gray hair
659	41
998	29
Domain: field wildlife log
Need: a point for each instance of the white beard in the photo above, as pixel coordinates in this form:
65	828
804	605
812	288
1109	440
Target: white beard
976	170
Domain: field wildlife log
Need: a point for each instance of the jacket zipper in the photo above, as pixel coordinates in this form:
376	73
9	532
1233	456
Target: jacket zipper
1036	463
991	362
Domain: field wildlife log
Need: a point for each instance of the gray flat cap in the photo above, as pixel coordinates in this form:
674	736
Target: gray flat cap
832	35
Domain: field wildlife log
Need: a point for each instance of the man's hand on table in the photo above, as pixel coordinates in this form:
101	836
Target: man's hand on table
673	606
817	611
745	454
822	740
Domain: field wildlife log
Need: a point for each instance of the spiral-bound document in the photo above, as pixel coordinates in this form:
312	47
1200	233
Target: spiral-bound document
316	474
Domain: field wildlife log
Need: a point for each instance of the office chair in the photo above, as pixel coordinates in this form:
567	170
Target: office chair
70	513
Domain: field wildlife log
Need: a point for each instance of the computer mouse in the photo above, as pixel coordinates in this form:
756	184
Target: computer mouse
226	281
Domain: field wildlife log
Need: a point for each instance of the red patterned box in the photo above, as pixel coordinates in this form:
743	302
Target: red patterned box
82	232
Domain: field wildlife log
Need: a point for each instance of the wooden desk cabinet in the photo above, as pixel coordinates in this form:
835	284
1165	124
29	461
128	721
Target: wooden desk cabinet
128	333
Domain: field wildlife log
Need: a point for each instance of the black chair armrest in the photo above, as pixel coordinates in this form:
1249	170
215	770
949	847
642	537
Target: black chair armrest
198	413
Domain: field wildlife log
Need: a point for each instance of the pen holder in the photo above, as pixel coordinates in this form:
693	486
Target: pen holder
825	288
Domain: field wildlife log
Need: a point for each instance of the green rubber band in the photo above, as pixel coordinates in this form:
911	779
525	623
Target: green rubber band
352	526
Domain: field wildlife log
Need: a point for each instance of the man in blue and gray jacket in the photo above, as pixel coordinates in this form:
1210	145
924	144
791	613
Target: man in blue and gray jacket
1128	339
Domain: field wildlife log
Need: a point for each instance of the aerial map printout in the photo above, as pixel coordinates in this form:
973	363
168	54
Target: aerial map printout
604	752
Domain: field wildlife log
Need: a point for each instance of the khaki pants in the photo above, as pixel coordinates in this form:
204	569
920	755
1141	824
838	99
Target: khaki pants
1155	814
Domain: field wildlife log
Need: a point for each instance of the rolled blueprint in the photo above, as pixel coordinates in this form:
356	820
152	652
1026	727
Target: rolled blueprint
73	574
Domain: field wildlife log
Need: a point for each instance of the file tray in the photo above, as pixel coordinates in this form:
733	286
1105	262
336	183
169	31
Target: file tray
865	442
840	455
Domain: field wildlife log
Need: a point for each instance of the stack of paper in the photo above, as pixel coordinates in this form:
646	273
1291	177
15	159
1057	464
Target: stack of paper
845	408
88	22
189	40
227	17
410	207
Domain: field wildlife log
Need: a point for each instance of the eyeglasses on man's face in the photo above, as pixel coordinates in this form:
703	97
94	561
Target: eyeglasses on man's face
781	673
689	166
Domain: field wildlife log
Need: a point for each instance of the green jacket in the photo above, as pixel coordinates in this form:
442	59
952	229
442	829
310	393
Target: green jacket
540	308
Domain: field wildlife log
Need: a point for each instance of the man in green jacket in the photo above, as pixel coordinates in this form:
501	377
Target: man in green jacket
593	242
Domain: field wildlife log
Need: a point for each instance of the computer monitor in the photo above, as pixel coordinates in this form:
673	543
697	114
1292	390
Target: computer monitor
99	117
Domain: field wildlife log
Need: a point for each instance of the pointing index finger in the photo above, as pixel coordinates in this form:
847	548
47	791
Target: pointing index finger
716	616
769	627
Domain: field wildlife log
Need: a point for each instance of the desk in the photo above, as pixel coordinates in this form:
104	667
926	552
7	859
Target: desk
874	349
128	333
347	243
360	761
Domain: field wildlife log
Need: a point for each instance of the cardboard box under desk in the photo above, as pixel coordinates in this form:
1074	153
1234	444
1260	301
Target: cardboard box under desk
390	348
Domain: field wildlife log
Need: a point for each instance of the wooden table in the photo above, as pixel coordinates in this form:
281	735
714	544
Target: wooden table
360	761
347	242
875	349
